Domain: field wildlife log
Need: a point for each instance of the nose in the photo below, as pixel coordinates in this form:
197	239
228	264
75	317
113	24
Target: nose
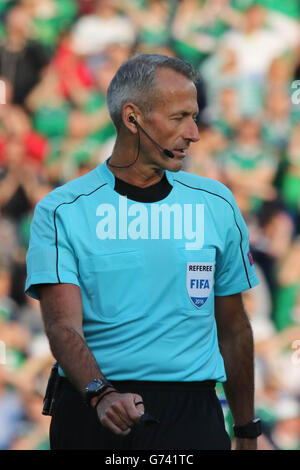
192	131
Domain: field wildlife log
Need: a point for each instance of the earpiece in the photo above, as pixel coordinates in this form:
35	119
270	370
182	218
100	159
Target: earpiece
132	119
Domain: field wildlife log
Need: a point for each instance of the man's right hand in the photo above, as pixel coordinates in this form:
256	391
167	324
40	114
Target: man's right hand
118	412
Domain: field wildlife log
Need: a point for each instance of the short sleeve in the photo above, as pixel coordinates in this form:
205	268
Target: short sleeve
235	270
50	258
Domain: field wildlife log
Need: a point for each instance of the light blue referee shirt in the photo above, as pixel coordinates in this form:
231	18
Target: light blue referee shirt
148	272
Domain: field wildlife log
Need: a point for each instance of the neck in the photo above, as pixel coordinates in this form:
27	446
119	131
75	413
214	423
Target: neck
140	173
15	42
249	143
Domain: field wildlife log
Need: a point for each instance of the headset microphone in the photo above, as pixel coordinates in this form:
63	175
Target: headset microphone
167	152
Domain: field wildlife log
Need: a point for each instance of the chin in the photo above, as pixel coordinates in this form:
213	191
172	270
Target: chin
174	165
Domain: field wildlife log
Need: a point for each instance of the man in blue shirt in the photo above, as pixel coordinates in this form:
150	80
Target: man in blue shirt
139	268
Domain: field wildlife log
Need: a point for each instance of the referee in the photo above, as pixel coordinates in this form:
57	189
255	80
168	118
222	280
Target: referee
139	268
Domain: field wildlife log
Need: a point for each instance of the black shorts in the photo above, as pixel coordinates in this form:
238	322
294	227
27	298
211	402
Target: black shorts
190	416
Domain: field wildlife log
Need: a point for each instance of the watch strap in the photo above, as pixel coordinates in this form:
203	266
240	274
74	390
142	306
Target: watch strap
103	385
248	431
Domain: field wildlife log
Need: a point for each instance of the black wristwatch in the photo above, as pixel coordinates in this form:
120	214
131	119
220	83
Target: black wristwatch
95	388
248	431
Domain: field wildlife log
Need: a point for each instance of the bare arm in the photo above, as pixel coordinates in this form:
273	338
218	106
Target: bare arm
258	182
236	346
62	314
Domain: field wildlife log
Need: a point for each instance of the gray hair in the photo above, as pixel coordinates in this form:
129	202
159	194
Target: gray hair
135	80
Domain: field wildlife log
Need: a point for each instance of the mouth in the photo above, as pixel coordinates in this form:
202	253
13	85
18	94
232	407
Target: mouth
180	152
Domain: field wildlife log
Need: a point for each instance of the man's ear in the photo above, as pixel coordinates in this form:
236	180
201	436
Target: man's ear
130	113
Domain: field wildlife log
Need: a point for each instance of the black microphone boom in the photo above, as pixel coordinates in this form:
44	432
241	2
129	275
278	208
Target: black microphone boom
167	152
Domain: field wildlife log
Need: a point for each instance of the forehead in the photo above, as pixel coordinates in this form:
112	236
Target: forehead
173	90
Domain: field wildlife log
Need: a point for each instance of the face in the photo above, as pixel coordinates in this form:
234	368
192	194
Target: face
171	122
228	99
18	21
249	131
255	18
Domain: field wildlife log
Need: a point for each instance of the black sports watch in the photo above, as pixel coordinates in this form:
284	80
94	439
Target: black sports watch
248	431
95	388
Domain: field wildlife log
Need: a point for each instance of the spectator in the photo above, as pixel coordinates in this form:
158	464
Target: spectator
288	294
18	182
33	435
249	168
8	308
50	109
279	74
17	126
49	19
254	36
92	33
277	126
291	177
21	60
272	239
151	22
198	26
9	243
73	72
11	412
258	303
286	431
201	156
227	112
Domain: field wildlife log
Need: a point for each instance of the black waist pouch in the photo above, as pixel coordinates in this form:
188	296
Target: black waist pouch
51	391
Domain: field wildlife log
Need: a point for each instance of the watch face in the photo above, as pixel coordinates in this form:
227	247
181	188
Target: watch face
94	386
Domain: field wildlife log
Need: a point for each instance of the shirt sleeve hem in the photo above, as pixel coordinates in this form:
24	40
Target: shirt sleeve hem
237	288
47	278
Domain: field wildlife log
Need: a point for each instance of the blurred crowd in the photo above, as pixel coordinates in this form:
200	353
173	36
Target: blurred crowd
57	58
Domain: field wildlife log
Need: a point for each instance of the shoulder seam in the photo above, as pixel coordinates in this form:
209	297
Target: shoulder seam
218	195
54	221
